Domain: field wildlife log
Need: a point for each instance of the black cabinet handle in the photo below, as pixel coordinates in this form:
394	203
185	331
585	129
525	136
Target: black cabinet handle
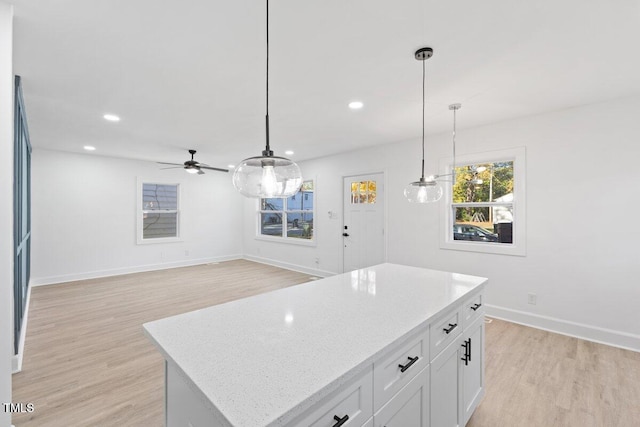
474	307
408	365
339	420
345	234
452	326
467	352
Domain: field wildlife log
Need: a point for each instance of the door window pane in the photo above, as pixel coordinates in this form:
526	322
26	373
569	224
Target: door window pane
363	192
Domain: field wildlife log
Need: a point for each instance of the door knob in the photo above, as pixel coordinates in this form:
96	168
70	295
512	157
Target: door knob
345	234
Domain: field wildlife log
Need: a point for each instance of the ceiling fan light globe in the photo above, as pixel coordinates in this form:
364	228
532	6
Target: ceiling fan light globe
191	170
423	192
267	177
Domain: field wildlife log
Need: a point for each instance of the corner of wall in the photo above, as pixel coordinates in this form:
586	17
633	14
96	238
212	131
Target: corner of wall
6	206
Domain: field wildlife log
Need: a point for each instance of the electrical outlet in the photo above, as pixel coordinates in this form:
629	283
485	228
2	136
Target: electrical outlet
317	261
532	299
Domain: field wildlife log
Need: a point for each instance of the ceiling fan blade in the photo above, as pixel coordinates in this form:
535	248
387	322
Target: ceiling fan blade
213	169
165	163
173	167
200	172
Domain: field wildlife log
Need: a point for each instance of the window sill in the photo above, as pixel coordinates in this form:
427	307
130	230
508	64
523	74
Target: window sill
483	247
287	240
159	240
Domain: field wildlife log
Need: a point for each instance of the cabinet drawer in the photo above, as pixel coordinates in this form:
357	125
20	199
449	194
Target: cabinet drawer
353	400
395	370
444	331
408	408
472	309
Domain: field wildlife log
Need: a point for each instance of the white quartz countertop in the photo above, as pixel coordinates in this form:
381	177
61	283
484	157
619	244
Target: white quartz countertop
261	360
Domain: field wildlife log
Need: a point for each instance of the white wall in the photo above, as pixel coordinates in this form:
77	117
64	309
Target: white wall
6	207
582	260
84	217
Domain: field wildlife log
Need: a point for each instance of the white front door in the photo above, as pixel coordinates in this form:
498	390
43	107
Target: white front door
363	231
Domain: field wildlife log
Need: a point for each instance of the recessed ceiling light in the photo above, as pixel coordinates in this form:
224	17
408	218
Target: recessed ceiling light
356	105
231	166
111	117
89	148
288	152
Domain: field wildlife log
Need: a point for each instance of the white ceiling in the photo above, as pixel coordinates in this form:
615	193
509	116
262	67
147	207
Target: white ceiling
191	74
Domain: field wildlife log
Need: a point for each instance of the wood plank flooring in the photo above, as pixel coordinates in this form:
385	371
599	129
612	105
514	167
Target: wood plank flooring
537	378
87	362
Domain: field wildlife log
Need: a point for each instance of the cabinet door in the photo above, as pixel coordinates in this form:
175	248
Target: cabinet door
473	371
408	408
446	381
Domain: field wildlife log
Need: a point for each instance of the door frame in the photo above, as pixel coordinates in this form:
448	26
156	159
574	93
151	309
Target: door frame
385	211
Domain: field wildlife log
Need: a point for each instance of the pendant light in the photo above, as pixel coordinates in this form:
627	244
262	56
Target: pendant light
267	175
425	190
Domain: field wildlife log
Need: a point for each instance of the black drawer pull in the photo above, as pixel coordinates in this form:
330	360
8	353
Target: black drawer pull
452	326
474	307
408	365
467	351
339	420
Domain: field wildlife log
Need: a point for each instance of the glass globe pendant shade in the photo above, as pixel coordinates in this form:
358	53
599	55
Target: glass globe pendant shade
267	177
423	191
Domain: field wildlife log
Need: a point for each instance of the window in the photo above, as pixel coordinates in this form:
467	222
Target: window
484	211
159	219
363	192
289	219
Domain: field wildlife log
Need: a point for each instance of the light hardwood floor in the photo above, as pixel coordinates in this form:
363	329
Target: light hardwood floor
87	362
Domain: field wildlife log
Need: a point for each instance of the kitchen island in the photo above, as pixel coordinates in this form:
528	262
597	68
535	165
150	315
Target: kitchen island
377	346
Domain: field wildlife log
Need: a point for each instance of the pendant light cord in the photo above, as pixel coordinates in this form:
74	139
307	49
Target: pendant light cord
423	95
267	152
453	169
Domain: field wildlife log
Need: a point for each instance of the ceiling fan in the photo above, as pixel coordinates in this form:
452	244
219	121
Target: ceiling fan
192	166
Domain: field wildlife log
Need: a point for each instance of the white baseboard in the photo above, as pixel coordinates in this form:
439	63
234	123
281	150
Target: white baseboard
288	266
52	280
577	330
16	360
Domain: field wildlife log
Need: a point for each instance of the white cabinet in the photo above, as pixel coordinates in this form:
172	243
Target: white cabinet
410	407
446	371
473	371
351	405
457	377
393	372
393	364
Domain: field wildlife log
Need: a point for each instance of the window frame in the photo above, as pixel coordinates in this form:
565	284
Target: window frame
447	214
285	211
140	211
